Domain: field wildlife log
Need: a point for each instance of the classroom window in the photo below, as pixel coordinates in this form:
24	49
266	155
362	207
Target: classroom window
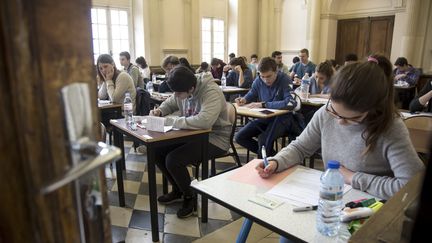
212	39
111	32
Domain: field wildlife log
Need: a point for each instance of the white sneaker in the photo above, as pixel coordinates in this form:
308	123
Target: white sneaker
142	149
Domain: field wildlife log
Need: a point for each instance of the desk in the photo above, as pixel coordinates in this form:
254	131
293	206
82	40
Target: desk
282	220
158	98
255	113
404	95
315	100
229	90
153	141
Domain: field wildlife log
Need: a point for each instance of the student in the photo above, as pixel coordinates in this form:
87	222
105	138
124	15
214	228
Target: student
302	67
405	72
217	67
241	75
270	90
204	68
115	84
277	56
295	60
231	56
207	110
168	64
361	116
350	58
254	61
320	82
131	69
183	61
142	63
423	100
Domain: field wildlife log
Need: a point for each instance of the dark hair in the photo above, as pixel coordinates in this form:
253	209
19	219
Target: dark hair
216	61
367	87
181	79
276	53
254	56
296	59
267	64
170	60
325	68
334	63
142	62
401	61
183	61
125	54
238	61
304	50
106	59
204	66
231	55
351	57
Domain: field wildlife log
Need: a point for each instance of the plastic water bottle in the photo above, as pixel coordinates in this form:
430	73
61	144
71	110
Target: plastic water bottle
149	85
330	202
304	87
223	81
128	112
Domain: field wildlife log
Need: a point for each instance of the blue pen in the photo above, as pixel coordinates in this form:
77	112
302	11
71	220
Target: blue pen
264	155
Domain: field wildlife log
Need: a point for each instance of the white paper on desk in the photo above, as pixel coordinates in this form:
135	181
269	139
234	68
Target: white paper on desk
103	102
301	187
157	124
406	115
262	109
317	100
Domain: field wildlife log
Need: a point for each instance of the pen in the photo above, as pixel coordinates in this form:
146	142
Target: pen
264	155
307	208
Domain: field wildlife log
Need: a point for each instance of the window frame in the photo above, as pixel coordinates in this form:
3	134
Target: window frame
212	38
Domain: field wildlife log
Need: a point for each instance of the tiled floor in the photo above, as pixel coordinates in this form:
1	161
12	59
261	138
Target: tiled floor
132	223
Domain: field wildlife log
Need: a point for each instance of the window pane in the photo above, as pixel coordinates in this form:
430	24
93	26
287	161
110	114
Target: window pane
206	58
96	46
103	31
103	46
115	17
94	15
206	48
124	45
123	18
218	25
218	37
206	22
218	48
101	14
124	32
115	32
206	36
95	31
219	55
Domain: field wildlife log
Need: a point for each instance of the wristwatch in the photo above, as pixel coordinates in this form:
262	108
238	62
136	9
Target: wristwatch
263	104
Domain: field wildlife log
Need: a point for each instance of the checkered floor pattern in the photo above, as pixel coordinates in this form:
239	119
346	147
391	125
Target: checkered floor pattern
132	223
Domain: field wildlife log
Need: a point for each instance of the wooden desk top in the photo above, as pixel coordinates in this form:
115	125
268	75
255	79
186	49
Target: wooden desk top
255	113
103	106
151	136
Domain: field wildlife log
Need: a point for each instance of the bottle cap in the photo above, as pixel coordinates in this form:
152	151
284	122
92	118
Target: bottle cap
333	164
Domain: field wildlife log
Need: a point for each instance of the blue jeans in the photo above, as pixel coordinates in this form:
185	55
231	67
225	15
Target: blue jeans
266	131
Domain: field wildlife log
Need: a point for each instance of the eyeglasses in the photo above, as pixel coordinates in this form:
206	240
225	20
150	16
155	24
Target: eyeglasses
355	120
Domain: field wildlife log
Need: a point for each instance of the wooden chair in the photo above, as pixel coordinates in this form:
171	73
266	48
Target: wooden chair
232	117
420	131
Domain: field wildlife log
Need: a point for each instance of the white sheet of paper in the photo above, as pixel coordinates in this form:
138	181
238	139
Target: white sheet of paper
156	124
102	102
406	115
300	188
317	100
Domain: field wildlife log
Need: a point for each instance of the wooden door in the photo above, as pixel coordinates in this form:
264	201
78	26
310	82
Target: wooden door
364	36
44	45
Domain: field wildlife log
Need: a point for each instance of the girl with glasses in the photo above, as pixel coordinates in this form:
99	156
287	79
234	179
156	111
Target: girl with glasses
361	116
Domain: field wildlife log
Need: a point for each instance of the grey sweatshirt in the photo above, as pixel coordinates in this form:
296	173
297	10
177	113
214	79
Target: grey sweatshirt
211	112
381	172
115	91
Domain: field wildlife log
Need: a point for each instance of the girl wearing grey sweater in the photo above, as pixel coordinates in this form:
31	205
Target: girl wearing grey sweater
360	128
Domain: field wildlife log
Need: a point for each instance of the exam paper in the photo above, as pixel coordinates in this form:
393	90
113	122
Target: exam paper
157	124
301	187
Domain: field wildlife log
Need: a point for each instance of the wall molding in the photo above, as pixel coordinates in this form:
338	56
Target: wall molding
362	14
175	52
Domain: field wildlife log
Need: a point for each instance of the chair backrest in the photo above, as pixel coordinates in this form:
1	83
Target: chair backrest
103	132
142	106
420	129
232	117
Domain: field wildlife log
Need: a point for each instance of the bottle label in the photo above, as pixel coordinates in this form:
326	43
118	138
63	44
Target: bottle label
331	193
128	107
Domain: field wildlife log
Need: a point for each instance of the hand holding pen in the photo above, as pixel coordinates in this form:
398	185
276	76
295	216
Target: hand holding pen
155	112
266	168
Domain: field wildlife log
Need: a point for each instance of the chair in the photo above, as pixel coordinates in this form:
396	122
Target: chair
420	131
232	117
142	106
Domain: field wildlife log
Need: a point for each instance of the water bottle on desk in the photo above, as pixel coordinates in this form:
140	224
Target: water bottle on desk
223	81
304	87
149	85
330	202
128	112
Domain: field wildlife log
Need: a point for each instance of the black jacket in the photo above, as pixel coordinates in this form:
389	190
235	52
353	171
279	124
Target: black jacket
415	104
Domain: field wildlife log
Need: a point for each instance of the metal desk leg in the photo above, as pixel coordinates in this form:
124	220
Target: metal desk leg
151	171
118	142
204	175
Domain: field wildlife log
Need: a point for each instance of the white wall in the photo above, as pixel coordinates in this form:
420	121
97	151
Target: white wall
293	30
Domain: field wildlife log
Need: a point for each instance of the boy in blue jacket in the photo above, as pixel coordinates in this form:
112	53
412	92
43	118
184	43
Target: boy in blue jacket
270	90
